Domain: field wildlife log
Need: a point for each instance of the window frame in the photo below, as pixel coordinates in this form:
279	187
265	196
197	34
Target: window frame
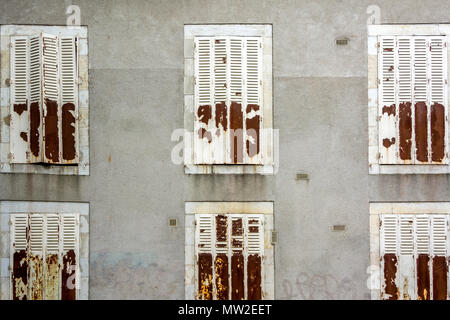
9	208
374	31
82	167
245	30
241	208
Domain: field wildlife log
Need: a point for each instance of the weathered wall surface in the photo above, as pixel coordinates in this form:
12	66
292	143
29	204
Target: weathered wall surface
136	101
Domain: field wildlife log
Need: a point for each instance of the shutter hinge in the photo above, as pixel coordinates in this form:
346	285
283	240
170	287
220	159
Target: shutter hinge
378	118
378	44
11	156
378	156
381	222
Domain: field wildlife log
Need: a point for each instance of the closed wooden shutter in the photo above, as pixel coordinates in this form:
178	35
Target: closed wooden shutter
44	256
44	99
230	251
414	251
20	70
412	94
228	100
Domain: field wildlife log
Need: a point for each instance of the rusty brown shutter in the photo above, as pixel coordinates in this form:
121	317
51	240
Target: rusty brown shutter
227	100
414	256
44	256
412	94
229	250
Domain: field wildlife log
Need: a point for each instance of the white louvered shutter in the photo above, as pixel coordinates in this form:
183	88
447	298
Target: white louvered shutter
387	100
406	261
70	257
35	102
36	257
52	257
51	92
389	255
413	108
19	256
19	124
69	99
228	73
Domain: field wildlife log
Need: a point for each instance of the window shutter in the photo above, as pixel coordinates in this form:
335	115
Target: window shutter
406	261
45	256
20	70
69	99
69	272
50	77
229	249
414	256
228	98
35	127
19	259
438	102
413	107
440	257
387	101
389	258
35	258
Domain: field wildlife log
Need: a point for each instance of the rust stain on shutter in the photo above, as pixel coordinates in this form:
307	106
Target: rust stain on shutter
236	126
68	276
24	136
423	277
68	131
236	227
421	126
51	277
437	132
35	124
36	277
237	276
19	108
19	275
203	133
387	143
205	276
254	277
221	269
440	278
253	128
221	117
51	131
204	114
405	130
390	110
221	228
390	271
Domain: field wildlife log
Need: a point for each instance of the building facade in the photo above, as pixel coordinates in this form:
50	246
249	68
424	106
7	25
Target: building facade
224	150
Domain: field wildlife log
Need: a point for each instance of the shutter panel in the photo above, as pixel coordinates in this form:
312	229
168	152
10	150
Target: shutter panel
20	73
406	263
52	257
69	99
421	99
387	100
203	99
35	126
19	259
228	97
389	259
255	252
440	257
50	75
423	257
204	248
253	96
404	88
35	258
239	244
438	102
69	272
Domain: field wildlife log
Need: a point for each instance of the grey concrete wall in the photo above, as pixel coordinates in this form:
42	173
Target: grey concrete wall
136	101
